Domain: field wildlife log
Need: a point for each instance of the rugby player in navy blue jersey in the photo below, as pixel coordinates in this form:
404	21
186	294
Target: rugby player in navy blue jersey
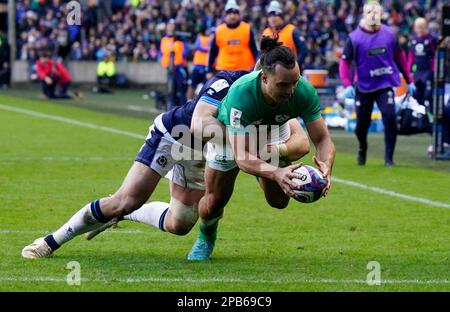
157	158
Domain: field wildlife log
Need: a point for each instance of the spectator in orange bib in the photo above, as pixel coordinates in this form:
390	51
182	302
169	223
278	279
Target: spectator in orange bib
287	34
200	61
173	58
233	46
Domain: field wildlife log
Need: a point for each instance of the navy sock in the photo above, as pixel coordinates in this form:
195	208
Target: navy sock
161	220
97	213
51	242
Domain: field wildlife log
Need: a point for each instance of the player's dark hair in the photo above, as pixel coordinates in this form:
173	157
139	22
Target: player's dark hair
274	53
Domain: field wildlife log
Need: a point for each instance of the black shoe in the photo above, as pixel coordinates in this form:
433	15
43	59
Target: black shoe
361	157
388	163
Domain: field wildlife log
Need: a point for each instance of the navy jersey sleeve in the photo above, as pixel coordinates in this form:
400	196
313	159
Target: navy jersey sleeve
215	92
253	46
213	53
348	50
302	48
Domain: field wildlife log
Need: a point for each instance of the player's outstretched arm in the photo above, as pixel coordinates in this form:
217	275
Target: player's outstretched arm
296	146
204	124
325	150
246	158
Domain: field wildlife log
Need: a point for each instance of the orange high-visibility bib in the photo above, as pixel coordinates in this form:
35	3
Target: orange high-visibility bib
234	48
285	36
168	45
201	58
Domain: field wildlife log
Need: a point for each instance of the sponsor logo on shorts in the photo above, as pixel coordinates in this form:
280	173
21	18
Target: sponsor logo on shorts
220	159
162	161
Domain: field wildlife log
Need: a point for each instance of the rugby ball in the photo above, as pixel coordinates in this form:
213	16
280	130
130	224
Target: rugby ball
312	182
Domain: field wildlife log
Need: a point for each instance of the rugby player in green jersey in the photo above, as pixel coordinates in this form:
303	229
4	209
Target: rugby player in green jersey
274	96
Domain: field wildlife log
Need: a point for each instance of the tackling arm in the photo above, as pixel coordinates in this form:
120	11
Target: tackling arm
248	162
204	124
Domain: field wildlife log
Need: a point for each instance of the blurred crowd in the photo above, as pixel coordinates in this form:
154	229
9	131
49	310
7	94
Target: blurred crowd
132	29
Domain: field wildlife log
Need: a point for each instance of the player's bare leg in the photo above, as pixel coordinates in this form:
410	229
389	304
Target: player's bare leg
136	188
275	196
219	188
177	217
183	212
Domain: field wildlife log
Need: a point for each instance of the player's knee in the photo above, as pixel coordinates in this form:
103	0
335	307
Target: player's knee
181	217
180	228
278	203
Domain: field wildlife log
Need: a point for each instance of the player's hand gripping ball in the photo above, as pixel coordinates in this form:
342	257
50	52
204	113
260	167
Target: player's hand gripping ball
313	184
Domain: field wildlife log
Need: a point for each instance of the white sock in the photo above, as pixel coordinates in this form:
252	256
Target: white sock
151	214
81	222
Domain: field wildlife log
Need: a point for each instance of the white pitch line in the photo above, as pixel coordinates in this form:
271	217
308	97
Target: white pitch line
7	231
392	193
144	109
70	121
62	158
348	135
222	280
135	135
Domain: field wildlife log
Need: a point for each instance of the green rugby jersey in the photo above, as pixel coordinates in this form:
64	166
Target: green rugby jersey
244	105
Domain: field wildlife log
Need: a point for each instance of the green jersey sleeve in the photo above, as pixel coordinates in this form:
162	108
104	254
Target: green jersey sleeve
236	110
311	109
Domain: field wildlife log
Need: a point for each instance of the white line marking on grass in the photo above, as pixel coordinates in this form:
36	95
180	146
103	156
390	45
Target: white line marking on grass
70	121
144	109
346	135
392	193
63	158
222	280
135	135
6	231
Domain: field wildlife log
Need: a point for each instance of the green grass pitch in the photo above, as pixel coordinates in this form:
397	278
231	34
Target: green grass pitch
49	168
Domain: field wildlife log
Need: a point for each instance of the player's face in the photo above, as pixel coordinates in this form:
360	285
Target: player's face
420	29
170	30
372	14
281	84
275	21
232	17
